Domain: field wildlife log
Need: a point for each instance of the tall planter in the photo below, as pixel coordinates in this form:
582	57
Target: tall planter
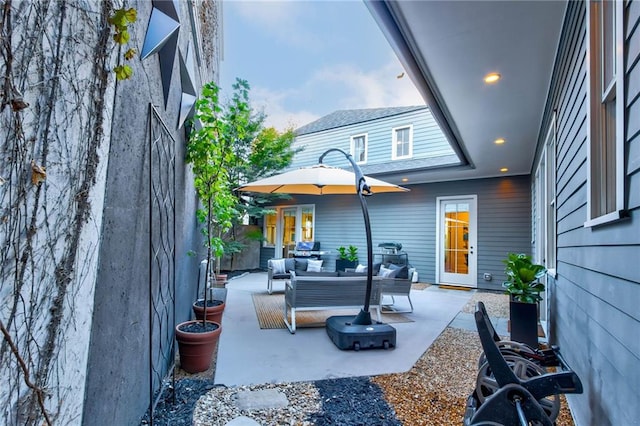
523	320
342	264
196	347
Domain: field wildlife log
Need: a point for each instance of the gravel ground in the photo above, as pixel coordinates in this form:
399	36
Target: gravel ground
433	392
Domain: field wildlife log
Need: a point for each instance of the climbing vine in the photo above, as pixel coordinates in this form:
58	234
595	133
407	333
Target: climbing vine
120	21
55	88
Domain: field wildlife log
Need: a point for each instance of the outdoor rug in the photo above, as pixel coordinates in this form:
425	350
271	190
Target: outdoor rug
269	309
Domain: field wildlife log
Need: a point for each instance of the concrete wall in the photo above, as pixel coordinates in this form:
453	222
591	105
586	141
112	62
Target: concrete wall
56	103
74	207
118	379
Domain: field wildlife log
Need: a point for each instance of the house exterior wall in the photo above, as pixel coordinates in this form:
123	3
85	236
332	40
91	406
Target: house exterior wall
594	308
410	218
428	140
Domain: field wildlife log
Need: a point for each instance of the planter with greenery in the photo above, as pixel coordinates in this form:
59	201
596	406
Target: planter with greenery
228	144
347	258
209	151
524	288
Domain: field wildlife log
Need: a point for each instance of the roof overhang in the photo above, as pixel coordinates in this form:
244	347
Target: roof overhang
447	47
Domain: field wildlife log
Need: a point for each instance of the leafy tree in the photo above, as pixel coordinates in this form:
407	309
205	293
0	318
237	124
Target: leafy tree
210	152
231	147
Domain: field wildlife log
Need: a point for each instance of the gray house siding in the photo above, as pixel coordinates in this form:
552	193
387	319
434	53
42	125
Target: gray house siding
594	311
504	218
428	140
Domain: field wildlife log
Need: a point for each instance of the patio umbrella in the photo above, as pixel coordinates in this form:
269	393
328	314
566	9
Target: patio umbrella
317	180
324	180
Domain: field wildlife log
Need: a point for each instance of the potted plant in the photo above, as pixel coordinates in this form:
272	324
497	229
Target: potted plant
210	153
524	288
347	257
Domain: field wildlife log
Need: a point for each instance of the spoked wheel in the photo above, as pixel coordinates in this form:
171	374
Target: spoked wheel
524	369
509	348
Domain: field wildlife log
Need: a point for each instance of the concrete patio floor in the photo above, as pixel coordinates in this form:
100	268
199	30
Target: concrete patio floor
250	355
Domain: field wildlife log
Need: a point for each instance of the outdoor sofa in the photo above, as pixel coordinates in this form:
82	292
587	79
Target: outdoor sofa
307	293
280	269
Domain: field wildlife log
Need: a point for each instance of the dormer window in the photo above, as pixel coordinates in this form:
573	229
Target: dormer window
359	148
402	142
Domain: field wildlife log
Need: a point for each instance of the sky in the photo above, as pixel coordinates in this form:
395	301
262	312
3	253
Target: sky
307	59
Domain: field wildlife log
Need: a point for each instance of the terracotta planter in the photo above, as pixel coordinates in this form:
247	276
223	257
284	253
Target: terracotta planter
214	313
196	348
220	281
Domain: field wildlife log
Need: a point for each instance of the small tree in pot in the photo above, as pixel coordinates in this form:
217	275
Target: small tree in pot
524	288
210	152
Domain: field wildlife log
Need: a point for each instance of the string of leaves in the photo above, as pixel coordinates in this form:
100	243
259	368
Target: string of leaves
120	21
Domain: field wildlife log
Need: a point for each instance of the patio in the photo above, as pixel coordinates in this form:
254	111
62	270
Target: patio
435	365
250	355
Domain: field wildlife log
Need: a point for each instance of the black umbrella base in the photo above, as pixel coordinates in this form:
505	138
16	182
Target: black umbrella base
346	335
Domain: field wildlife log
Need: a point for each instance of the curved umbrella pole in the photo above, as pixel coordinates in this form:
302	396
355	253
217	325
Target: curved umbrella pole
363	190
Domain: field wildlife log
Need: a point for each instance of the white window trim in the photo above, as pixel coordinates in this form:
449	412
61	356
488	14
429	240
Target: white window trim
366	147
393	142
550	197
279	213
619	81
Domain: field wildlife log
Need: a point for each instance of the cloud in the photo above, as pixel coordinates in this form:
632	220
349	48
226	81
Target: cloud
281	20
368	89
278	115
333	87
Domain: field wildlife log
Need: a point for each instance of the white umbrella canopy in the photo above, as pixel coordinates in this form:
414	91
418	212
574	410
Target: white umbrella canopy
317	180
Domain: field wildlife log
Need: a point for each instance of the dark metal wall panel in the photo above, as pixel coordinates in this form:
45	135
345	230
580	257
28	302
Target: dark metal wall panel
594	315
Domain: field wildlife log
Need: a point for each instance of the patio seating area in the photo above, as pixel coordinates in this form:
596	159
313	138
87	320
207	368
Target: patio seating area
250	355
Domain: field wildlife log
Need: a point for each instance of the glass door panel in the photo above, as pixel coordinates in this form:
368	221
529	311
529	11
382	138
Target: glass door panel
457	233
289	230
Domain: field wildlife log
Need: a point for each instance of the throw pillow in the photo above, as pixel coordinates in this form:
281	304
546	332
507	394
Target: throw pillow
361	268
301	264
401	271
289	264
278	266
314	265
385	272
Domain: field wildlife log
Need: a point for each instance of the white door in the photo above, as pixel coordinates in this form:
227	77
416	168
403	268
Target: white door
457	236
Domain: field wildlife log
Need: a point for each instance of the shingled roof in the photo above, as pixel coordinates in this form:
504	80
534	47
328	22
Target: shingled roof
347	117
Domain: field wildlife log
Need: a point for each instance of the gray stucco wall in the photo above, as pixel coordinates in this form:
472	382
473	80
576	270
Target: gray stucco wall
117	385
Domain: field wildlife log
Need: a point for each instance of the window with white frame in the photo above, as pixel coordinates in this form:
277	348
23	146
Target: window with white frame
359	148
402	142
606	112
550	199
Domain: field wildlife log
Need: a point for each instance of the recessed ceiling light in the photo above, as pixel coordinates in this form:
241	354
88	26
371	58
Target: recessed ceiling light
405	179
491	78
504	169
499	141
